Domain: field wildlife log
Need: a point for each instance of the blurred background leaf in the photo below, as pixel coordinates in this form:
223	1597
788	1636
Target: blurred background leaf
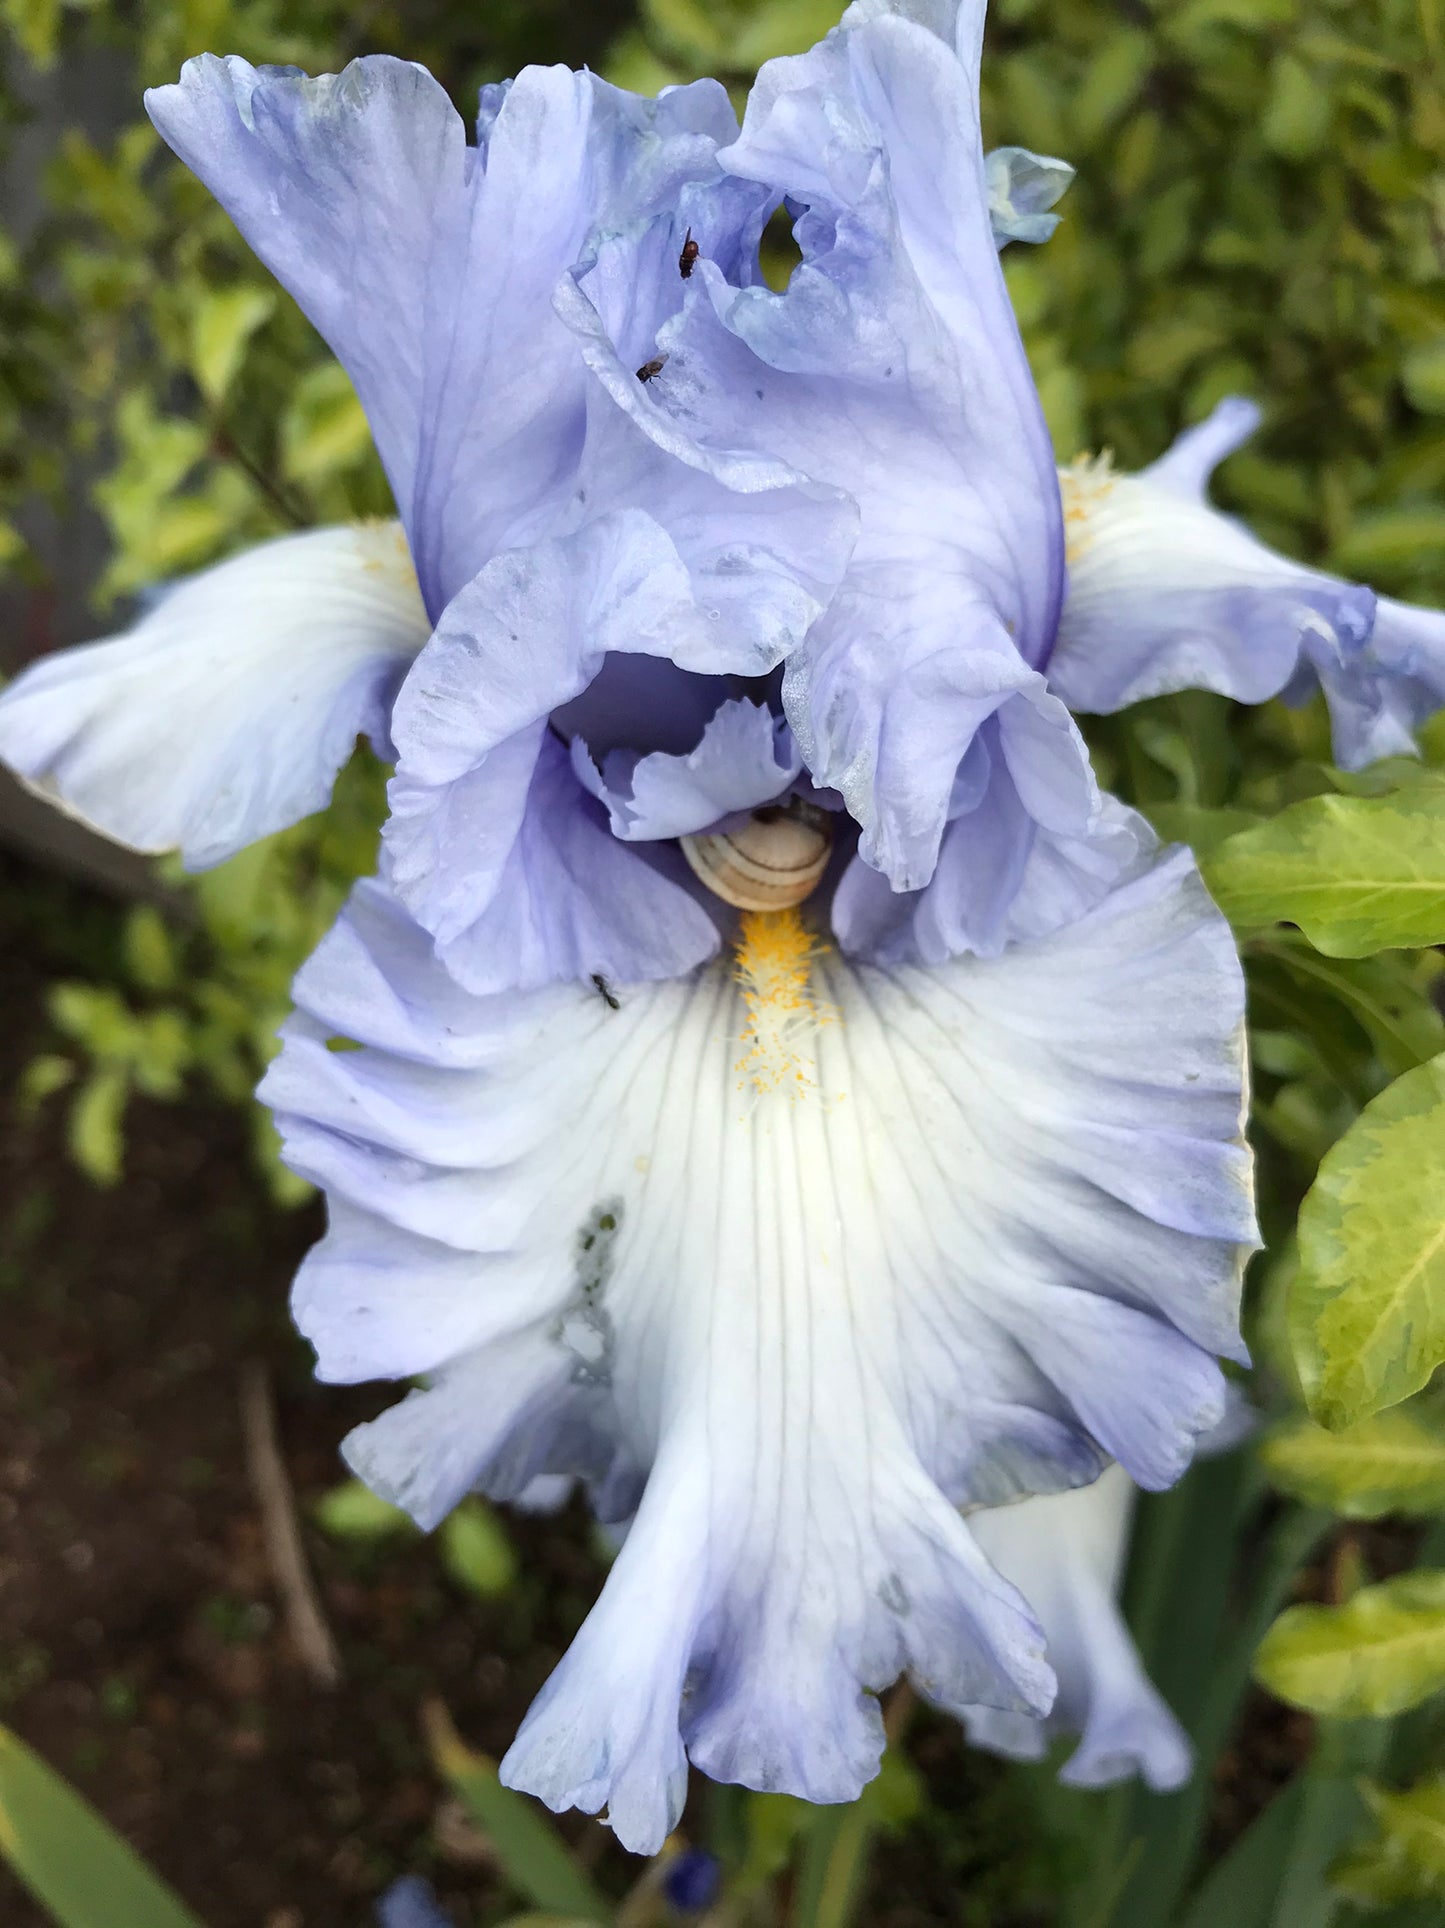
70	1859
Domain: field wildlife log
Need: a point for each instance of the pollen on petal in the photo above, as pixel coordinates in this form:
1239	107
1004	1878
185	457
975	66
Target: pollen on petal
385	551
1084	485
774	966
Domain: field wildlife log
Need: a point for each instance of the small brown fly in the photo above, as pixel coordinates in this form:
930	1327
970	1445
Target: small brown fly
651	368
688	257
605	992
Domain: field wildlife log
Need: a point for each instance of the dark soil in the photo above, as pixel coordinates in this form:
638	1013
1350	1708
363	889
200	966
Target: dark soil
140	1645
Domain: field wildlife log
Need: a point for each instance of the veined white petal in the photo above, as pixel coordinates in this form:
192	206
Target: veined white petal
226	712
1065	1552
1165	593
789	1259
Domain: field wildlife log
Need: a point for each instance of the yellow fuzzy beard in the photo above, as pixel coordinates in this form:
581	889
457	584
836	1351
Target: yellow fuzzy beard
1088	481
775	952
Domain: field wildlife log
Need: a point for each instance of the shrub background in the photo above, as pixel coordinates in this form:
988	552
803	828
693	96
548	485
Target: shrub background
1259	208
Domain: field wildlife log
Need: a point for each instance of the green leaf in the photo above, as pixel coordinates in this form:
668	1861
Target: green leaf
1201	828
1389	538
1297	119
36	26
1381	1652
41	1079
72	1861
1415	1821
833	1865
149	951
1387	995
1393	1463
351	1511
529	1849
689	26
1367	1306
1406	1859
325	430
221	331
548	1921
476	1551
783	27
94	1135
1423	377
1356	874
1113	80
774	1823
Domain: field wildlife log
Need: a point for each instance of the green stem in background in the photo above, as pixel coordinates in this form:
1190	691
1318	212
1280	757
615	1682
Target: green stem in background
1197	1638
835	1855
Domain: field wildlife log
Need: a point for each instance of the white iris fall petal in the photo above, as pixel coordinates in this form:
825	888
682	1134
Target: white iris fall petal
225	713
790	1259
1166	593
1065	1552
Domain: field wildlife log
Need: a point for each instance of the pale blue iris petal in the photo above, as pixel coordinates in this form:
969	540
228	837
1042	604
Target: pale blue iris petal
890	368
1196	452
1379	697
993	1233
745	757
410	1903
486	1422
714	591
1022	187
550	894
1024	804
225	713
1065	1552
1165	593
429	266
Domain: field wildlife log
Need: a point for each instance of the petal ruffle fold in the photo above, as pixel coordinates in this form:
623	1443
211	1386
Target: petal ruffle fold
226	712
792	1258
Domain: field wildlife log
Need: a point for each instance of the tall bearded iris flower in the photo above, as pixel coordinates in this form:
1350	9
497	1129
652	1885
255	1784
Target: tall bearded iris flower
786	1095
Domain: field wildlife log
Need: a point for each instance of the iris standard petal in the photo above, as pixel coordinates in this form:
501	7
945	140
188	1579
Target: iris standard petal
790	1258
526	637
1031	844
890	368
744	758
1065	1552
1165	593
429	266
226	712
